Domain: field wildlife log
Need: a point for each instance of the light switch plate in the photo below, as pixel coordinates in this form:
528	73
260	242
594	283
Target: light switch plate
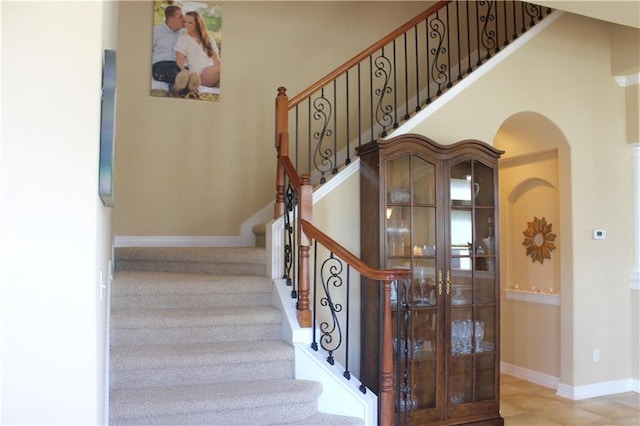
599	234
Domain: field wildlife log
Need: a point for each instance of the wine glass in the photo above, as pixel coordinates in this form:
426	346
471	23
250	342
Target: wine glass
455	337
421	276
466	330
479	334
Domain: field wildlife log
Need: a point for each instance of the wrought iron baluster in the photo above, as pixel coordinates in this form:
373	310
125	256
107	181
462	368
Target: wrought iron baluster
314	341
415	37
346	374
532	11
448	31
322	112
289	238
488	35
348	111
458	40
334	170
383	72
439	70
331	338
428	56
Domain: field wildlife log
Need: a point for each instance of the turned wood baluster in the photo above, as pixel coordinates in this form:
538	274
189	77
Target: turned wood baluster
282	147
386	396
305	207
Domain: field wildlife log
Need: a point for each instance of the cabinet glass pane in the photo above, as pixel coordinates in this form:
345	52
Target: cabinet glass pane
461	332
399	180
424	182
483	182
461	286
398	226
461	189
485	342
485	377
485	287
461	236
461	380
424	282
426	383
424	231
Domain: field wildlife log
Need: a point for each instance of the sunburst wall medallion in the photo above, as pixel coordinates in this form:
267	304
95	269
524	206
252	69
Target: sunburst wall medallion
538	240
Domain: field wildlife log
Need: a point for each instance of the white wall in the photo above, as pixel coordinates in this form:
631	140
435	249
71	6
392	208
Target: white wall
55	232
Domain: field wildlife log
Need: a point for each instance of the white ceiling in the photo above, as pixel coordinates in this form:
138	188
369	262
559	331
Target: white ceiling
625	12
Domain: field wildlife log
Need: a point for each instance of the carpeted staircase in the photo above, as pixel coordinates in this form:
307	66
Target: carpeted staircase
195	340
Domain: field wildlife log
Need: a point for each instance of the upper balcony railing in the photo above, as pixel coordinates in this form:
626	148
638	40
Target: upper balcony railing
384	85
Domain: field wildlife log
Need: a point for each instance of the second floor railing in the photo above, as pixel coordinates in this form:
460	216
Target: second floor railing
384	85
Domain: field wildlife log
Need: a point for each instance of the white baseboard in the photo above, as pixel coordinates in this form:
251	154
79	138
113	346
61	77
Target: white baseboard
529	375
597	389
571	392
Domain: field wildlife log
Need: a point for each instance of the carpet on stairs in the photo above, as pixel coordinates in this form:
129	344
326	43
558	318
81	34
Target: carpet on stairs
195	340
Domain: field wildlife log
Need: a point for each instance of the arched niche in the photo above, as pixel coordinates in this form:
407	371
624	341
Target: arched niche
532	185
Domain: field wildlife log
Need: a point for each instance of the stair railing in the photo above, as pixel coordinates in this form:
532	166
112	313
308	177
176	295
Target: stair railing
386	84
301	207
360	101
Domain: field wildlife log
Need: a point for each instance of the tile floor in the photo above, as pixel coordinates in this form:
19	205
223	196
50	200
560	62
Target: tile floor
525	403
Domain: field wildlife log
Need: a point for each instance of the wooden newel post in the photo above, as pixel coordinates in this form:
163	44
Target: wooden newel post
305	206
386	371
282	147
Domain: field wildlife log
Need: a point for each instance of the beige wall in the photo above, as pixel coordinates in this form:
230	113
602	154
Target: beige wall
168	169
199	168
549	76
343	225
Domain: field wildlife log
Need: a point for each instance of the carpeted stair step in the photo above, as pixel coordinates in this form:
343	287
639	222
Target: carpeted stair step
151	366
209	260
195	340
184	325
141	289
259	402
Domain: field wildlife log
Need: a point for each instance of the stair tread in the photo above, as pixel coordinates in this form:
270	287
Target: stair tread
180	317
139	402
163	283
193	254
221	353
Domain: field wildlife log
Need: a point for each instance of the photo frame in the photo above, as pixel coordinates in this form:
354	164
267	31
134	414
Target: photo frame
107	129
186	50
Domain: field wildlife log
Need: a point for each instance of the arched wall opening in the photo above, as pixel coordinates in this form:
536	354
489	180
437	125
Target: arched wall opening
532	186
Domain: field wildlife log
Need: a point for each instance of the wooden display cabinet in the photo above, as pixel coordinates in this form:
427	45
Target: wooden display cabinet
434	209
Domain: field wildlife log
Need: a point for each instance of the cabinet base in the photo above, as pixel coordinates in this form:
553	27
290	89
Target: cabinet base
474	421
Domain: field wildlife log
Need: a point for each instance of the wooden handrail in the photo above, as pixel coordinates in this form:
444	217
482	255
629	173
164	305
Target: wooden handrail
364	269
364	54
386	390
290	170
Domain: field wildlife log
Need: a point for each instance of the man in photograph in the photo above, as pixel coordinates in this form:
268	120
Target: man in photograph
164	67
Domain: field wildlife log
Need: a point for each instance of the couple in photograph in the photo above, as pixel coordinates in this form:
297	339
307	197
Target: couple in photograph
184	55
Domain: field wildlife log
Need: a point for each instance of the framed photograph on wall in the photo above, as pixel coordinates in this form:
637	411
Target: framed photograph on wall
186	50
107	129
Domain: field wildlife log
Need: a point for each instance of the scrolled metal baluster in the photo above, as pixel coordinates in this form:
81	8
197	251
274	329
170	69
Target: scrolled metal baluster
488	36
438	70
322	156
334	267
383	112
290	203
533	11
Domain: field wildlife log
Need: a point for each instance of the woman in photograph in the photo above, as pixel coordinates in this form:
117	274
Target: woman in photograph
198	51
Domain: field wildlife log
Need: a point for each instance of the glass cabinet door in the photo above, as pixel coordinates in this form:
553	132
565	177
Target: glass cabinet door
471	283
411	242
